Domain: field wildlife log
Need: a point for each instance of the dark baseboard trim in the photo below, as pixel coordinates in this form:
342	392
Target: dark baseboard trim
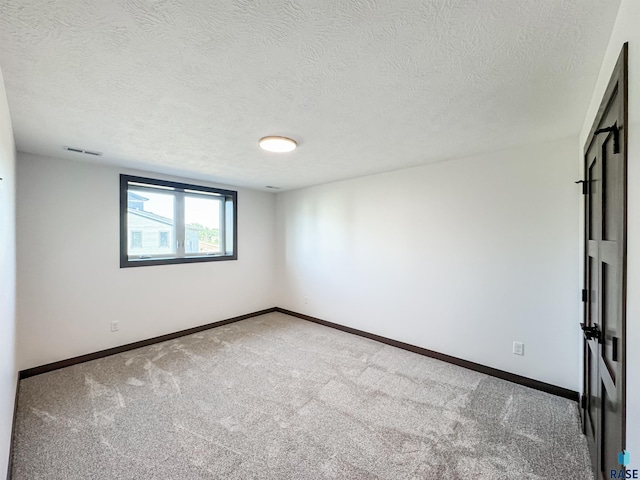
13	430
494	372
30	372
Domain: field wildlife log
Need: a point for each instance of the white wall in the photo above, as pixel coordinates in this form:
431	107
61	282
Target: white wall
8	372
461	257
70	285
626	30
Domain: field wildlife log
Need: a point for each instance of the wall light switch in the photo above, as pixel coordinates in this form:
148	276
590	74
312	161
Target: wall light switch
518	348
115	326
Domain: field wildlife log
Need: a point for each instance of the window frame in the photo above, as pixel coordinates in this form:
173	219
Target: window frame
183	190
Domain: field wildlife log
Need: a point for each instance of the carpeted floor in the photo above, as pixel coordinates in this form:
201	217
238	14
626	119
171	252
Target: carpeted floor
276	397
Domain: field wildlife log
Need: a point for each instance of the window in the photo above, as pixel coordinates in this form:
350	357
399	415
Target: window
165	222
163	240
136	240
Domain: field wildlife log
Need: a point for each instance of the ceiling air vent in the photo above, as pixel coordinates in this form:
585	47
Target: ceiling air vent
272	187
86	152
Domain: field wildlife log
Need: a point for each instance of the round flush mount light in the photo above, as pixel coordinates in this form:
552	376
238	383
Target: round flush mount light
277	144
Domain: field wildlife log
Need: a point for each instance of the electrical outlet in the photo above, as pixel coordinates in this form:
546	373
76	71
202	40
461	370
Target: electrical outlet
518	348
115	326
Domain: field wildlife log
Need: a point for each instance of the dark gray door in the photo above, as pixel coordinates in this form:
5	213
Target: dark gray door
605	276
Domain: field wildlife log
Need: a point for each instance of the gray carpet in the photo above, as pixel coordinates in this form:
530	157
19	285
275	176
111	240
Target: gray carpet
275	397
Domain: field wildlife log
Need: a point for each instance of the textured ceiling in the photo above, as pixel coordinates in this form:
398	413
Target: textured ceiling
364	86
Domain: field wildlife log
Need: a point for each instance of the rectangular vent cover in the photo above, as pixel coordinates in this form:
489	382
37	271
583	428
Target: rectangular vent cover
80	150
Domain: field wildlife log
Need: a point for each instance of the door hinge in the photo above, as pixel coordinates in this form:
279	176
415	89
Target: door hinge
583	402
585	186
585	295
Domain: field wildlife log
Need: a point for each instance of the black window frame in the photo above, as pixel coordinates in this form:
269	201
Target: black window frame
126	262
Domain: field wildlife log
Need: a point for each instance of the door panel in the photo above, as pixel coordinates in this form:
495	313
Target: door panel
592	189
610	324
610	433
612	189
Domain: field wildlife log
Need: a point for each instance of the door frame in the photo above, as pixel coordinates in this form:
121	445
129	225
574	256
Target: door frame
619	79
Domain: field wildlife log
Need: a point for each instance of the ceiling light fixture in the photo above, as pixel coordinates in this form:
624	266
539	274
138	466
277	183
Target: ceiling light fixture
277	144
